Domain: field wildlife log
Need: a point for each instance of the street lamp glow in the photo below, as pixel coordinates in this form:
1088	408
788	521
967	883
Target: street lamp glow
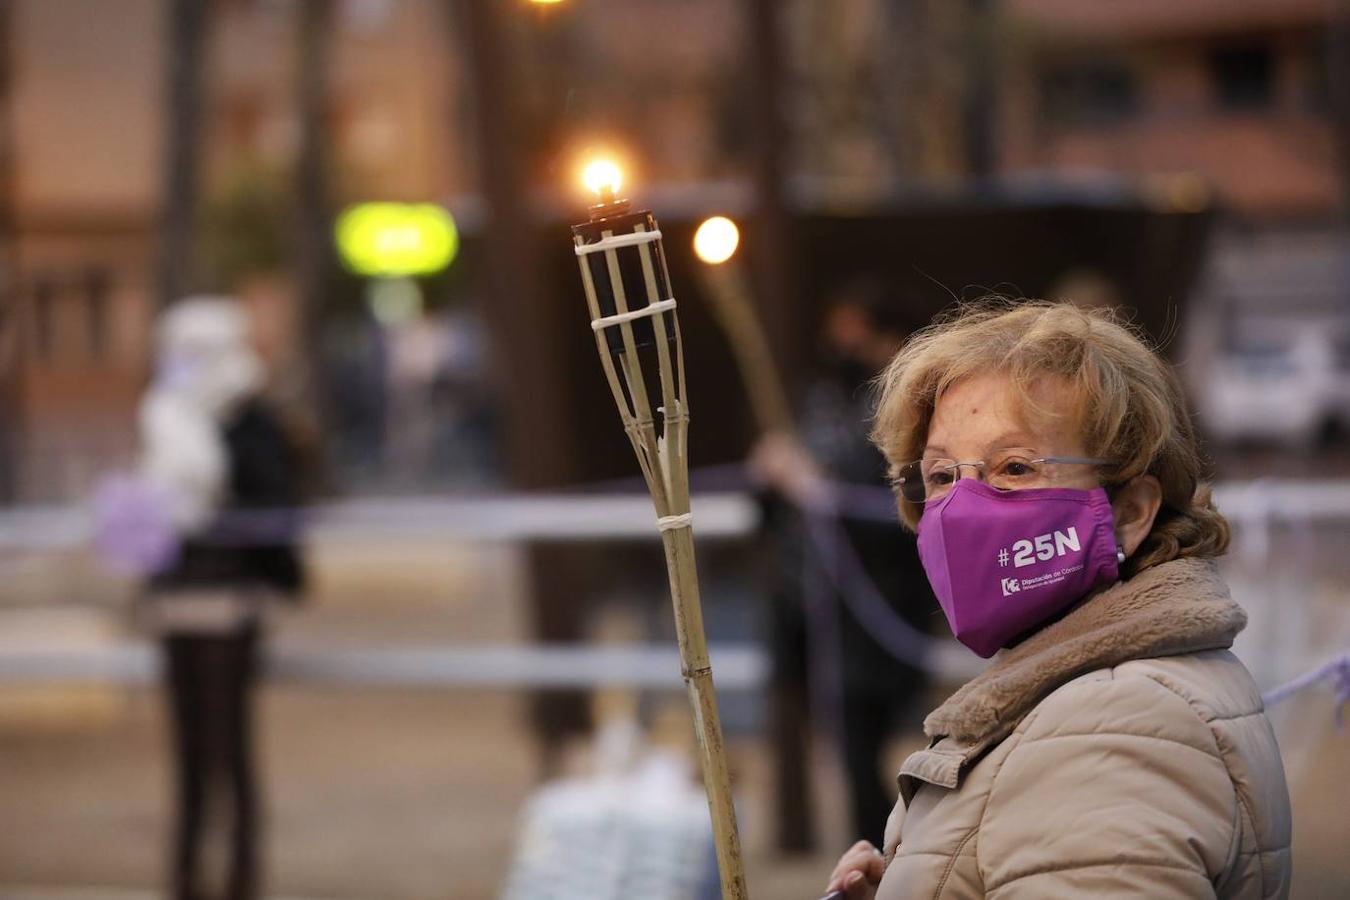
716	240
602	177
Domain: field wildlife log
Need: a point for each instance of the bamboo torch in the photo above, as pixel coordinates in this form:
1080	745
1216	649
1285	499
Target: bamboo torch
632	309
725	285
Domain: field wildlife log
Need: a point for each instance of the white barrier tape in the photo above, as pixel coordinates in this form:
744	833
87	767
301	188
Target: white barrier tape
52	892
653	309
670	523
740	666
619	240
723	515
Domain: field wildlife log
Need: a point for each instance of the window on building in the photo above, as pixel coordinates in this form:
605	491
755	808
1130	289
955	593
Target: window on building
71	315
1094	93
1244	77
242	115
44	325
97	287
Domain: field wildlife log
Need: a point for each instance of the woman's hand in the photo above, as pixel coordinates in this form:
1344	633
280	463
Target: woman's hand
858	872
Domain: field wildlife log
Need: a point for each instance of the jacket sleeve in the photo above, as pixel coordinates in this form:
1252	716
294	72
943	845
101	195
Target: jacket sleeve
1115	789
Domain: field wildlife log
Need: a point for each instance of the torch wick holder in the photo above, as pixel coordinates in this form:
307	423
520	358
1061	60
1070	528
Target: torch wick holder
609	206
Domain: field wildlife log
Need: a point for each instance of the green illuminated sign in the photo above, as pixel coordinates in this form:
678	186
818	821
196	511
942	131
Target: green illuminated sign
396	240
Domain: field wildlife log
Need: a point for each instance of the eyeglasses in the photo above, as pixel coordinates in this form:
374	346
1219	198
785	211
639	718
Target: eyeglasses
927	480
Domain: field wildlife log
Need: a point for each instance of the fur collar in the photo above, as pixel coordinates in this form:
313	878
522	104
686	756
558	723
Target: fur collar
1177	607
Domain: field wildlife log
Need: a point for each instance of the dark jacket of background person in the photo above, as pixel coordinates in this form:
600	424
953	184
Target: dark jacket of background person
252	543
866	688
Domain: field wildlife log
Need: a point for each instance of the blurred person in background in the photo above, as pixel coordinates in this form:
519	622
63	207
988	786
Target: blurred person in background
1115	746
229	473
863	327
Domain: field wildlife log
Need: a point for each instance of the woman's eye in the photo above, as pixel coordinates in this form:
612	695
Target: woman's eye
1016	468
941	476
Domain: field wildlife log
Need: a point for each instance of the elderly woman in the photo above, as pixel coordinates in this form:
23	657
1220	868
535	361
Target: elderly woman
1114	747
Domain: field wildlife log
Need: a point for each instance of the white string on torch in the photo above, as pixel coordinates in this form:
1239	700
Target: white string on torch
619	318
670	523
610	241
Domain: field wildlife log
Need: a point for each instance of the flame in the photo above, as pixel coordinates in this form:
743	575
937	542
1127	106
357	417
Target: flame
716	240
602	176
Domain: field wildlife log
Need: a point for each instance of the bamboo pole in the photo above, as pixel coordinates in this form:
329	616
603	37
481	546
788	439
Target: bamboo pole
698	679
659	436
732	306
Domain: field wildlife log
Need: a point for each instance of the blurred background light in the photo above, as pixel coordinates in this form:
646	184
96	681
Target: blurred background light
716	240
394	301
397	239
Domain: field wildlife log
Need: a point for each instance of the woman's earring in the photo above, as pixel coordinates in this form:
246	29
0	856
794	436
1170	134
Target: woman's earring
1120	554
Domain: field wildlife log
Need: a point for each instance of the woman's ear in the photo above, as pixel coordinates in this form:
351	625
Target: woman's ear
1135	506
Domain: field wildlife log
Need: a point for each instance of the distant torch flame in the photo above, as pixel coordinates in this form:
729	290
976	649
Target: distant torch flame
716	240
603	176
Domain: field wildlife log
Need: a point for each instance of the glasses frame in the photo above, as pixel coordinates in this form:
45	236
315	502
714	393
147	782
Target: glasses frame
980	464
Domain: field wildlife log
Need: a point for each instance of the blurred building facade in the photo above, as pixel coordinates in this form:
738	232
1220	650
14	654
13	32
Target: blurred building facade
1234	90
1233	96
88	114
89	107
1239	94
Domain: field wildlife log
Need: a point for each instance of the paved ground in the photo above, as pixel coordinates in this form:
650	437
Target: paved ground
415	795
408	795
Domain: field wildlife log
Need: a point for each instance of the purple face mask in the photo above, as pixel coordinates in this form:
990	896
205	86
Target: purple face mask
1002	562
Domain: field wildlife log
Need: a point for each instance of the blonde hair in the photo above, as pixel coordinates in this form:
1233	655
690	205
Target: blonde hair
1130	406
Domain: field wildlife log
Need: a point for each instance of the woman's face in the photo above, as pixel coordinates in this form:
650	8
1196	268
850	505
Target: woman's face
980	416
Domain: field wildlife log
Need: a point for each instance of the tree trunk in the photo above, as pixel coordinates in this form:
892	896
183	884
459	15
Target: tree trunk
12	332
184	54
981	128
1338	80
314	258
527	355
770	246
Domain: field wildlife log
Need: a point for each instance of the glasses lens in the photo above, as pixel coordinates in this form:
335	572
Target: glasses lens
924	481
1016	471
909	482
938	477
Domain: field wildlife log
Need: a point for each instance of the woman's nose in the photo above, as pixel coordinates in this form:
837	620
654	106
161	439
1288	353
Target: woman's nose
977	466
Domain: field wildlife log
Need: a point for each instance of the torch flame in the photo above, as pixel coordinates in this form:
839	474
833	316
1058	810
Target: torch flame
603	177
716	240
